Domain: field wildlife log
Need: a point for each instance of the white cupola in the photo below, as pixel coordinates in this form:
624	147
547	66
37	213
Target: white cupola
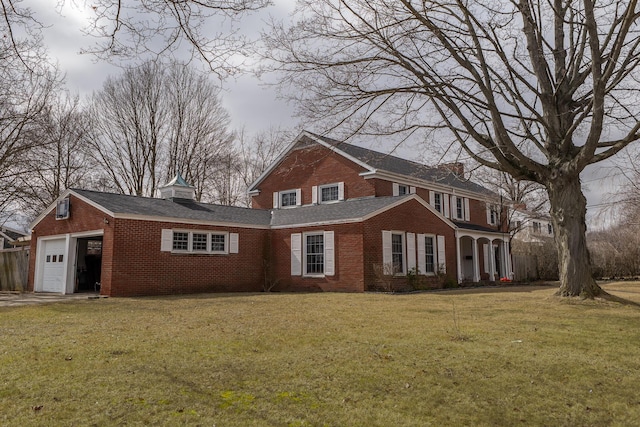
177	188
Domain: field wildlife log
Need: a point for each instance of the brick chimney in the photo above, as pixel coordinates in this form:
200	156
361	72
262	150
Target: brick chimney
455	167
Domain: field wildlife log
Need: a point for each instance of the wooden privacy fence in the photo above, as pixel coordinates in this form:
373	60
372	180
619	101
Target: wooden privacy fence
525	267
14	268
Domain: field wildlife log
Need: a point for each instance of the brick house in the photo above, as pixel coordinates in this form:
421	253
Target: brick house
325	216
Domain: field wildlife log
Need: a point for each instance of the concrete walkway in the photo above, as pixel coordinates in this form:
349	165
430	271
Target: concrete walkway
10	299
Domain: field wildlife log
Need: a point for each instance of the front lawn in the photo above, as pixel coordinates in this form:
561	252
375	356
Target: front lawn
472	357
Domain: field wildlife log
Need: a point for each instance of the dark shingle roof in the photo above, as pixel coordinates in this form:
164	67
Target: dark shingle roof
178	208
474	227
346	210
397	165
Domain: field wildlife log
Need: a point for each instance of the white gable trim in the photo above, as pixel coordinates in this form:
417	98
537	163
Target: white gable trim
64	195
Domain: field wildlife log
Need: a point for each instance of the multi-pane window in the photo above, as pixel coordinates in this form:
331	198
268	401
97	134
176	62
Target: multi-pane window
430	254
437	201
199	242
536	227
180	241
217	242
459	208
288	198
549	228
315	254
329	193
402	190
397	257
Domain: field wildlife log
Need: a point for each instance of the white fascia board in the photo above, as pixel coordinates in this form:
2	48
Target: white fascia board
137	217
476	234
252	188
318	223
417	182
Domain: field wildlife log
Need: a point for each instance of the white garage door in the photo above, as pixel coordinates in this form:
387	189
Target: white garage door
53	266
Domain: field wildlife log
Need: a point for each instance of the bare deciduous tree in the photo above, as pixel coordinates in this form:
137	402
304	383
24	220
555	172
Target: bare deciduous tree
537	89
156	120
27	84
61	161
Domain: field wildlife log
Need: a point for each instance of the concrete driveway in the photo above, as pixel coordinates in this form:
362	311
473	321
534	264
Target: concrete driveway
10	299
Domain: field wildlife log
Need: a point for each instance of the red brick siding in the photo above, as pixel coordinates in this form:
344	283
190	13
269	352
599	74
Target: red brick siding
82	217
303	168
409	217
349	261
141	268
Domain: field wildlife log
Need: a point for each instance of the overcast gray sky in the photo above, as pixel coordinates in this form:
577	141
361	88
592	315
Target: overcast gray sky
250	103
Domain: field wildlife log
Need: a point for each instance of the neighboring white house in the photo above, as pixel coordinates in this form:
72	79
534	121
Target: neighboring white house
530	227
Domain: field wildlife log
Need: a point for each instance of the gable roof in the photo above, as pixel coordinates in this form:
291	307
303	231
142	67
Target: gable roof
375	162
352	210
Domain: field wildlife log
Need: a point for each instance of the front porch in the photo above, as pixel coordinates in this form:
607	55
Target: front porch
482	254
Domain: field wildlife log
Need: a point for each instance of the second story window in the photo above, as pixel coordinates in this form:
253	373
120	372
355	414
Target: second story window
459	208
437	201
536	227
288	198
549	228
329	193
402	190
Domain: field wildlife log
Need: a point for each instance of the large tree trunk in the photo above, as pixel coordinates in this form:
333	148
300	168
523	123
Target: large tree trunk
568	211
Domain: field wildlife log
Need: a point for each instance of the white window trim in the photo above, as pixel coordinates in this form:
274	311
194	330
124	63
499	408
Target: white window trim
387	249
318	193
277	198
422	254
304	254
230	242
299	254
396	189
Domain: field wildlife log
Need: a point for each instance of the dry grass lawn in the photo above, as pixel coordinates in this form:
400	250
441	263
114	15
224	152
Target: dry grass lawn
475	357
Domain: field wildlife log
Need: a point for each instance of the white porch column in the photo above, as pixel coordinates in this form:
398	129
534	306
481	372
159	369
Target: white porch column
507	260
476	260
458	256
492	262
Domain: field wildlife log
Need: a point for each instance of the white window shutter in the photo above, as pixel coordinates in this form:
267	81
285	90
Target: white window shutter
314	194
329	254
411	251
166	243
485	253
276	200
233	243
442	258
298	197
386	249
396	189
412	190
432	198
454	207
296	254
445	203
422	260
467	214
341	191
489	214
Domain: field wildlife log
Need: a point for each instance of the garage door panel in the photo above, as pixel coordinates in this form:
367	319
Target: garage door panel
53	266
